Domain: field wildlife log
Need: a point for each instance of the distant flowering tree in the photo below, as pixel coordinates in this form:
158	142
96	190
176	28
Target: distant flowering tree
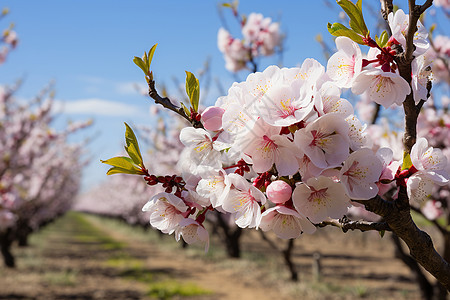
282	151
260	37
39	170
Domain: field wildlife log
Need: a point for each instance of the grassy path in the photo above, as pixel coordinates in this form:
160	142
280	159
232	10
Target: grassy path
83	257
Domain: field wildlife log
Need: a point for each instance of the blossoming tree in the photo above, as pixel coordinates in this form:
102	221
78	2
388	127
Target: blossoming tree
39	170
283	151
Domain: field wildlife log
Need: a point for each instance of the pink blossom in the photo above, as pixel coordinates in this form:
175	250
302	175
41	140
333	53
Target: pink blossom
399	23
200	149
432	209
357	133
215	187
261	34
325	141
390	168
286	223
328	100
266	147
282	106
192	233
443	3
242	201
419	188
430	161
344	65
361	171
384	88
421	75
320	198
165	211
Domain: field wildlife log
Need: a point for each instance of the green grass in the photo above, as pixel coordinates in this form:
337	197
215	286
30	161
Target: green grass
168	289
63	278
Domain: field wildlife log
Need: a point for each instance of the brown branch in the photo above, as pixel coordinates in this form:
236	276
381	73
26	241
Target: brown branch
403	61
153	93
386	8
420	245
376	114
361	225
426	289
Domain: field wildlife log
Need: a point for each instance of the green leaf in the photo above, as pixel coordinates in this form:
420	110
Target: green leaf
132	146
150	55
186	110
145	62
122	164
192	90
407	163
382	232
354	12
120	161
337	29
141	64
383	39
117	170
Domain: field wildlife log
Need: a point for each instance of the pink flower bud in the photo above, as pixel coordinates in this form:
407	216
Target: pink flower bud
212	118
279	192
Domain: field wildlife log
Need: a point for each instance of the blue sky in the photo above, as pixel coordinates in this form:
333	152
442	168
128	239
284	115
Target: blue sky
87	47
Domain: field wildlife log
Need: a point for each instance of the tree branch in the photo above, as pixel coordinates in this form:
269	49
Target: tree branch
346	225
420	245
386	8
153	93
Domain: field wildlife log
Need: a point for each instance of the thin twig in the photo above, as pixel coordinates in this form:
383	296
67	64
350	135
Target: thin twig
168	104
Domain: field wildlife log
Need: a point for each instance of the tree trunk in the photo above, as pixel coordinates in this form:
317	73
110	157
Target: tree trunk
232	237
6	239
287	254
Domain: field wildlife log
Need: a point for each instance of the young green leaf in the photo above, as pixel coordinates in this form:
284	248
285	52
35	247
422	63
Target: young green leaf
186	110
150	55
132	146
192	90
407	163
354	12
120	161
337	29
117	170
141	64
383	39
122	164
146	60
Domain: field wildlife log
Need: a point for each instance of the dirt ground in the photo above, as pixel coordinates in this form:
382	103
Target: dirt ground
85	257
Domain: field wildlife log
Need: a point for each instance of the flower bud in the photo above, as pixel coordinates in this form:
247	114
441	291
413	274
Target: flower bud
279	192
212	118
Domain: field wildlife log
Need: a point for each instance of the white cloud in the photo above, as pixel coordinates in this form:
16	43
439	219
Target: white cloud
95	106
